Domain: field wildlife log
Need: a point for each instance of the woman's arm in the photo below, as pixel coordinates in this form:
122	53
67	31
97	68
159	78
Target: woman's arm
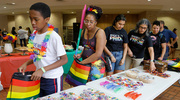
100	45
129	52
106	50
163	51
124	53
151	52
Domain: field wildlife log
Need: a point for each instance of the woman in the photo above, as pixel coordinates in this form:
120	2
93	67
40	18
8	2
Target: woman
139	40
159	43
173	49
116	46
93	40
29	31
14	33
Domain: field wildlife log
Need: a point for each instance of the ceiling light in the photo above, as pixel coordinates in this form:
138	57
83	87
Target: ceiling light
27	11
5	7
171	8
13	3
72	12
128	11
149	0
12	12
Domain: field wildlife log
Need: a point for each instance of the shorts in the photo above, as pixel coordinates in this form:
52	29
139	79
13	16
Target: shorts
50	86
115	66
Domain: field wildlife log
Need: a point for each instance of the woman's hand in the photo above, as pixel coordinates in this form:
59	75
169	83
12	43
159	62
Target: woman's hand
22	68
37	75
152	66
77	56
121	62
160	58
113	59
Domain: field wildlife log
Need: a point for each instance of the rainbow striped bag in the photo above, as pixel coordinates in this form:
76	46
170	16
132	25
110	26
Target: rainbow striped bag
78	73
23	88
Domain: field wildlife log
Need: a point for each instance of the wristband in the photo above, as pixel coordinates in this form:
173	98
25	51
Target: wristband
43	69
111	55
151	60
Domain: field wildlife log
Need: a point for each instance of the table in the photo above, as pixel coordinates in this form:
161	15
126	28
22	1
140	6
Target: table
70	55
149	91
77	90
10	64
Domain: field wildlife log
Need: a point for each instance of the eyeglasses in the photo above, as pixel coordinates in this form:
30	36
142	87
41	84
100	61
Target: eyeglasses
90	22
143	27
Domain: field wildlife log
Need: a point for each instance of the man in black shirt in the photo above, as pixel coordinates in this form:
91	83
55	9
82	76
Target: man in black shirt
159	42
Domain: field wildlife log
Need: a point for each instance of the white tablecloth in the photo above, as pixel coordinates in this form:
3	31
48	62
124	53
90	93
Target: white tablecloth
149	91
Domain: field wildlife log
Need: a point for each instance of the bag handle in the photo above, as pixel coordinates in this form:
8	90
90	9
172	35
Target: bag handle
92	47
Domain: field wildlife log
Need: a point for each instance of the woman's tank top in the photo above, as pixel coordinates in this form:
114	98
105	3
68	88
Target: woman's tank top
87	50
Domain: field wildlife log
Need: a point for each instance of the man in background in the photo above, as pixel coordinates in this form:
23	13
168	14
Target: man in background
168	34
21	34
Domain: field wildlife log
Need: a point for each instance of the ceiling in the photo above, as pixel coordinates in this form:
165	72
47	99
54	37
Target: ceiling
108	6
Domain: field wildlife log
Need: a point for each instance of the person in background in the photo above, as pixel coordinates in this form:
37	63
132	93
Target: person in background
21	33
49	68
173	48
14	33
159	43
116	46
93	40
139	39
168	34
4	32
29	31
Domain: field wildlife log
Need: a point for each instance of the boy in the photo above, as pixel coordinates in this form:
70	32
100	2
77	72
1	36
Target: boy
48	51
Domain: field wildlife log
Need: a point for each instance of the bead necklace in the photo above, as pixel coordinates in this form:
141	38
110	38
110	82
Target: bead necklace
35	53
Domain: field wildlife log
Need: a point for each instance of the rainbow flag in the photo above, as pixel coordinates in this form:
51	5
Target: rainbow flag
22	88
78	73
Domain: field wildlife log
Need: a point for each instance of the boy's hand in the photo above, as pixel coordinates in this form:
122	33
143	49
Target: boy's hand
22	68
37	75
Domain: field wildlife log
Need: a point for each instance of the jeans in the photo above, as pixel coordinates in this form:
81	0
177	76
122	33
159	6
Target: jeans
115	66
24	42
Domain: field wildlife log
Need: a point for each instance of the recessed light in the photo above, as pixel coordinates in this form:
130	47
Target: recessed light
5	7
12	12
171	8
128	11
148	0
72	12
27	11
13	3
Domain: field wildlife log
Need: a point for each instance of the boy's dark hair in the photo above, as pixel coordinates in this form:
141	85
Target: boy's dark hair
118	18
20	27
42	8
97	15
146	22
156	23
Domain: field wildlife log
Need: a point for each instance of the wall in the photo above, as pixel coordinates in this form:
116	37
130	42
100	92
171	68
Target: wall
11	23
3	22
69	19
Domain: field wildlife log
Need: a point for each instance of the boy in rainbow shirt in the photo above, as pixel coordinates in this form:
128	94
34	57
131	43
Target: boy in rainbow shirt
48	53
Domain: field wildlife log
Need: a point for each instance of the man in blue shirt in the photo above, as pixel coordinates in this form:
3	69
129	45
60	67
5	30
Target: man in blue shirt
168	34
